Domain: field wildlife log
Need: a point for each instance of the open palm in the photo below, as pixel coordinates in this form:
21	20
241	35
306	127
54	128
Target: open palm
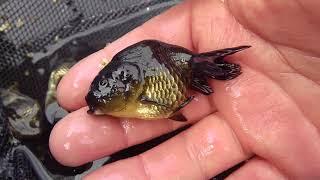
269	114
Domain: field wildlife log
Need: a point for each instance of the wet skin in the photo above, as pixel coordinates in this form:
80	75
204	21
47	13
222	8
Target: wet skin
268	114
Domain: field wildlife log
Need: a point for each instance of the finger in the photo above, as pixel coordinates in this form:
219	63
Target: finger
80	138
297	72
204	150
257	169
172	26
268	122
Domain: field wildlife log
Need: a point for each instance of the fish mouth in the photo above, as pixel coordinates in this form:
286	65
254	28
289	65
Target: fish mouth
92	103
95	111
91	110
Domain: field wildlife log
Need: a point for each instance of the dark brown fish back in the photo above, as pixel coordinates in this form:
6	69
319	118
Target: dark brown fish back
175	55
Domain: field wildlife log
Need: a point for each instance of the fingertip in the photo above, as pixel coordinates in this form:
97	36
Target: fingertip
66	99
75	84
80	138
55	144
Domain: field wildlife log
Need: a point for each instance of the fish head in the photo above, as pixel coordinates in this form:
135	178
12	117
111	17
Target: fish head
113	88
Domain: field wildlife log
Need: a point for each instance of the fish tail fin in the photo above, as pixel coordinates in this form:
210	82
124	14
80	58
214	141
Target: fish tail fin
221	53
212	65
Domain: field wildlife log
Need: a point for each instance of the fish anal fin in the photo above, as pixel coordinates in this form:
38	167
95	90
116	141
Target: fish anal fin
178	117
200	85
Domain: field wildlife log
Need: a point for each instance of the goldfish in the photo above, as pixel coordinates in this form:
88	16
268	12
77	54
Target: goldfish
152	80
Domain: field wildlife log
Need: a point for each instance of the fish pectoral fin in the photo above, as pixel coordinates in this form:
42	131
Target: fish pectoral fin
147	100
178	117
201	85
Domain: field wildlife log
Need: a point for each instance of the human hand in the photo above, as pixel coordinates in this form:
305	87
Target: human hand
269	114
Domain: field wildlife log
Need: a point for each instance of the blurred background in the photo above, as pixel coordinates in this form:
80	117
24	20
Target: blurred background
39	42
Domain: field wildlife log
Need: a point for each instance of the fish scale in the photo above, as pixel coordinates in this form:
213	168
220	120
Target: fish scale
159	88
166	74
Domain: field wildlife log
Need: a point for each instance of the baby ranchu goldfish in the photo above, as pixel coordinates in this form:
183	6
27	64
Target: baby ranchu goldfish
150	80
